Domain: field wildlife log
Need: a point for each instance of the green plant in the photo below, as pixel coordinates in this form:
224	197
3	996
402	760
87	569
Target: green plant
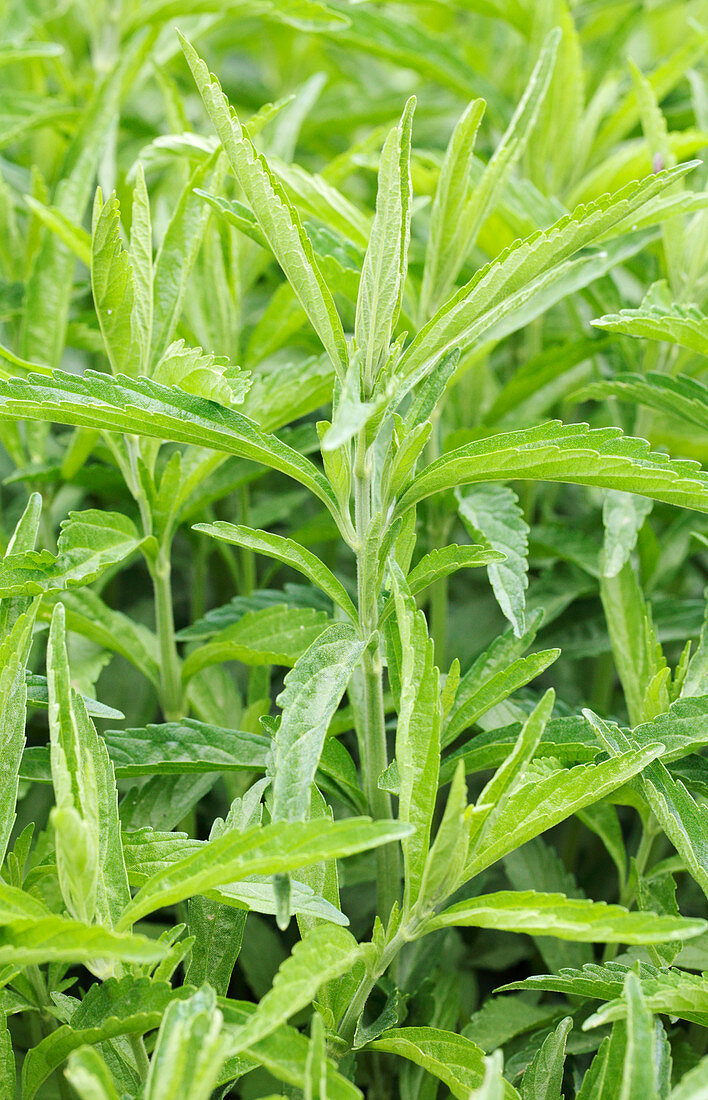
442	830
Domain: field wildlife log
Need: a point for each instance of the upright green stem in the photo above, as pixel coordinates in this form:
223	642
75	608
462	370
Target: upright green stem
371	721
171	693
437	525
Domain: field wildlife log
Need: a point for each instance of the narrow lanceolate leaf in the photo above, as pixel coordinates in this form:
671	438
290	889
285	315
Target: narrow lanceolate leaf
543	1077
417	734
471	704
113	288
271	636
88	1073
684	820
447	244
89	851
309	699
262	850
54	939
186	747
453	1059
488	191
8	1073
22	540
682	325
567	918
383	275
324	953
623	516
178	252
681	396
287	551
285	1053
14	651
520	272
189	1051
668	992
142	407
547	796
633	1062
639	659
141	257
572	453
89	543
441	563
130	1007
50	284
274	212
494	512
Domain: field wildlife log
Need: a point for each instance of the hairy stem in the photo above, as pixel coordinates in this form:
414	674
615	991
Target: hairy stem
347	1028
370	714
171	679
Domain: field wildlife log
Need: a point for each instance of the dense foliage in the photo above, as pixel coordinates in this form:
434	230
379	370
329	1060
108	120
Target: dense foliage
353	667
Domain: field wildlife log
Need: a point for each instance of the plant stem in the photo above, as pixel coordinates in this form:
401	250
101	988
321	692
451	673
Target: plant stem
371	721
171	678
347	1028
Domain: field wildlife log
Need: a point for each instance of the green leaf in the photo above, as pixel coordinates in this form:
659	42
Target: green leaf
442	562
681	396
447	245
189	1051
572	453
520	272
324	953
453	1059
638	1041
113	287
271	636
184	747
546	796
88	615
543	1077
275	214
473	701
50	283
683	819
8	1076
639	659
89	543
56	940
131	1006
14	651
89	852
493	1084
177	254
88	1073
682	325
141	259
73	236
567	918
142	407
623	516
285	1053
417	734
487	193
383	274
311	694
287	551
494	512
262	850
